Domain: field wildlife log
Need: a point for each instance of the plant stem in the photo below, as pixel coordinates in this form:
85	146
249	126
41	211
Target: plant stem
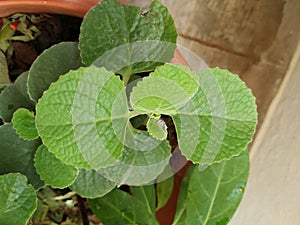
125	78
84	217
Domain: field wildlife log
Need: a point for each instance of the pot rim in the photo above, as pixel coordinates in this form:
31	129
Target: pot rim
77	8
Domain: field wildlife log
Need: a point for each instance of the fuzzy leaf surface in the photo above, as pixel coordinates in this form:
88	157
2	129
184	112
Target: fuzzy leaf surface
17	199
74	118
16	155
52	170
213	111
215	193
119	207
143	159
134	40
52	63
24	122
90	184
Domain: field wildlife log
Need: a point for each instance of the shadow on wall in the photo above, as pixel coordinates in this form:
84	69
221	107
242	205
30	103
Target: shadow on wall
255	39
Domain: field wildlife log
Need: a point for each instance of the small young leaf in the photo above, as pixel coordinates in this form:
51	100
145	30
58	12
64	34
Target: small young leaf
52	170
90	184
52	63
24	122
215	193
4	77
16	155
119	207
136	40
15	96
157	128
17	199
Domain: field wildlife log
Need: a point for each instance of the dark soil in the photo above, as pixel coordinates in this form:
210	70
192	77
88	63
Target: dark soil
54	29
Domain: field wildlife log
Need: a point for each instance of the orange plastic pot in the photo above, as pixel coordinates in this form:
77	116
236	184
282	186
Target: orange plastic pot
79	8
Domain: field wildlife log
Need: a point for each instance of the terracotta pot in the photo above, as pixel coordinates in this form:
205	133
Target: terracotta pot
78	8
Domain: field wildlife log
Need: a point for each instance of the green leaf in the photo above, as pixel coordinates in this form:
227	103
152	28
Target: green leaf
5	34
214	122
157	128
3	86
143	159
145	194
126	38
17	199
164	190
24	123
52	170
52	63
118	207
165	91
74	118
4	77
90	184
85	113
15	96
214	194
16	155
180	216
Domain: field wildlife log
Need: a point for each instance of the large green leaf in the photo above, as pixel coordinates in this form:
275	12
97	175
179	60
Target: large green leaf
4	77
17	199
15	96
53	62
215	193
143	159
16	155
118	207
84	120
117	36
214	119
74	118
90	184
52	170
24	123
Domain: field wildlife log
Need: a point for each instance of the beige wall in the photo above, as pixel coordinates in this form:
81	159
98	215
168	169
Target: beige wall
272	196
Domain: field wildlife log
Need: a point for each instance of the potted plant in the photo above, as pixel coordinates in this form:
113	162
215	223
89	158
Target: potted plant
89	117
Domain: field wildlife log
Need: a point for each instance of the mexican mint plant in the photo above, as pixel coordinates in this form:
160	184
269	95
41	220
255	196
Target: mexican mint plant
95	115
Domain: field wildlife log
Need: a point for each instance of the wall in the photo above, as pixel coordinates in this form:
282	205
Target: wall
255	39
272	196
